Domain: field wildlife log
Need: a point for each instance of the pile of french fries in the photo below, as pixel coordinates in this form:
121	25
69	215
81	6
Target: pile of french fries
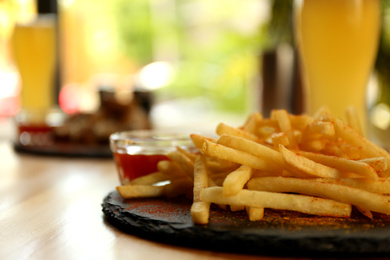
318	165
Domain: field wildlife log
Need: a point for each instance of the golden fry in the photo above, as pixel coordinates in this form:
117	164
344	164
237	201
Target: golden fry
282	117
379	164
236	180
360	198
151	179
380	186
190	156
170	168
226	129
255	214
226	153
279	139
343	164
319	128
259	150
200	176
200	212
300	122
217	165
199	139
252	123
355	139
185	163
298	163
262	199
140	191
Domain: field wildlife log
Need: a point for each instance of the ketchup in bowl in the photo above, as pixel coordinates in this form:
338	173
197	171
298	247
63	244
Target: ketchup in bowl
131	167
137	153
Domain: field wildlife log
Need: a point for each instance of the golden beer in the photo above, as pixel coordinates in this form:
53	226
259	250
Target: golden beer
337	41
34	52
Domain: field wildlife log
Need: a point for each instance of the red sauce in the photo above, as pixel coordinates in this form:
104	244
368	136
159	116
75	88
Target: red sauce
131	167
34	128
34	134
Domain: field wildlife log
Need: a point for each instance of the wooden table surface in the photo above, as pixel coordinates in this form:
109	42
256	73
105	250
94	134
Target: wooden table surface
50	208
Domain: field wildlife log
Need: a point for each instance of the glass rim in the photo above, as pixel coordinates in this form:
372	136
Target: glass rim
150	137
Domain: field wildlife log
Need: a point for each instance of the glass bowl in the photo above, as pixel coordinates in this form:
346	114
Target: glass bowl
136	153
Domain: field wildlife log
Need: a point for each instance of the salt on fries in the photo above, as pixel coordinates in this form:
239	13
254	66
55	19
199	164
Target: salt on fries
316	165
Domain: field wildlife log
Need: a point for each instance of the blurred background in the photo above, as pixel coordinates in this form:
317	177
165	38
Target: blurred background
197	62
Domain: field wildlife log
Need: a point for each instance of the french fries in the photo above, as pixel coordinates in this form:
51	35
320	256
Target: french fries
151	179
226	129
283	119
236	180
298	163
252	122
317	165
140	191
359	198
254	213
240	157
245	145
354	138
261	199
379	164
342	164
184	161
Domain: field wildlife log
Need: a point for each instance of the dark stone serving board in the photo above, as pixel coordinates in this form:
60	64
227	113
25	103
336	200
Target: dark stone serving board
279	233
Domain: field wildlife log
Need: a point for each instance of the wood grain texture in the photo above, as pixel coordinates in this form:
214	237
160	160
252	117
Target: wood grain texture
50	208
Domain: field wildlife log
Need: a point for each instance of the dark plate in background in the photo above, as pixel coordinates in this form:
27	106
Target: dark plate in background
64	149
279	233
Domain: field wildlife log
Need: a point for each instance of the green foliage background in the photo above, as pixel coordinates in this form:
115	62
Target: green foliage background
220	69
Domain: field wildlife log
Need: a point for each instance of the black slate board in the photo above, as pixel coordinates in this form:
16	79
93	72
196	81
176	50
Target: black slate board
280	233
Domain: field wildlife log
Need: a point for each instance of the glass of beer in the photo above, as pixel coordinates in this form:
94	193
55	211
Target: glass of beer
34	52
337	41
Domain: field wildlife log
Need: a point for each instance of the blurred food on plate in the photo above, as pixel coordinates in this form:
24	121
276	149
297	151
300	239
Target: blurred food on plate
112	116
